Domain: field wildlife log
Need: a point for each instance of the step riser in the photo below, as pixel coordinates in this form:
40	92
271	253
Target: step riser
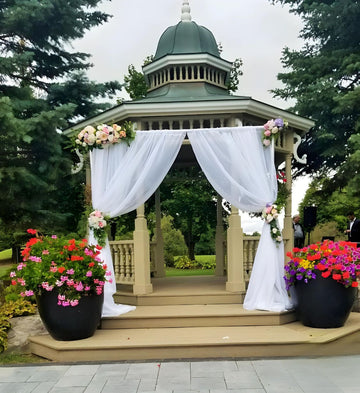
177	300
141	323
339	347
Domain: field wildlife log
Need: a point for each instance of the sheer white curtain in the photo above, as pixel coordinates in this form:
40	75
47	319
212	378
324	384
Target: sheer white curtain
124	177
243	172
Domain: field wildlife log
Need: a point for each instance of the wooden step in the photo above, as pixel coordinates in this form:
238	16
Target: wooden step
122	297
182	290
195	316
292	339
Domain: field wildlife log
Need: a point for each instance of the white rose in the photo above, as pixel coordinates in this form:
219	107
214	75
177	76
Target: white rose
89	129
279	239
271	123
111	138
78	141
269	218
91	139
92	222
274	130
274	230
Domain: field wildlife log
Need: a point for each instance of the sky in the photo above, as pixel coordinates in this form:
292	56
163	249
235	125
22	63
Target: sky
254	30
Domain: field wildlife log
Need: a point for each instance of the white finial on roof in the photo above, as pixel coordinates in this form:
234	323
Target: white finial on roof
185	12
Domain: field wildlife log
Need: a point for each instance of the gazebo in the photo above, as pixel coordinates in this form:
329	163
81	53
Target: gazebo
187	90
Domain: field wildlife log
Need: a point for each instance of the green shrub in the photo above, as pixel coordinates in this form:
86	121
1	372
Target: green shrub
184	262
174	243
18	308
206	261
11	309
12	293
207	265
4	327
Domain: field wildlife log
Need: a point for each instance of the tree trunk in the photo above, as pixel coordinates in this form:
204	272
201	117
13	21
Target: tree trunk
191	248
16	254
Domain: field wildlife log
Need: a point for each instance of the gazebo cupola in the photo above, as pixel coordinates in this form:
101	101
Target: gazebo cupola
187	60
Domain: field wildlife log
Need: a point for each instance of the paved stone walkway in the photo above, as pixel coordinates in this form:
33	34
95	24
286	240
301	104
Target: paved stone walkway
301	375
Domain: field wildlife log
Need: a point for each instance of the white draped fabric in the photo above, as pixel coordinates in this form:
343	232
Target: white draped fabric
124	177
242	171
266	290
237	165
234	161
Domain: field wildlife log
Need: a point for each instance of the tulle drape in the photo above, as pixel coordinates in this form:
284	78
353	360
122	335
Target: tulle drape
243	172
236	164
124	177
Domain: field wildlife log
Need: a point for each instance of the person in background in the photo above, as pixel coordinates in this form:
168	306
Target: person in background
353	229
299	234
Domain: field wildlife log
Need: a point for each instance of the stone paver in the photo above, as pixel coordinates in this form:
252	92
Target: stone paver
301	375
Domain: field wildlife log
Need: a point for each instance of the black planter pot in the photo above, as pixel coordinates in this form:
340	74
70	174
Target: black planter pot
70	323
323	302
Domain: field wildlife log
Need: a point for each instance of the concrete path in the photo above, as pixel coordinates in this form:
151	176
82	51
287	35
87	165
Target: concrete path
301	375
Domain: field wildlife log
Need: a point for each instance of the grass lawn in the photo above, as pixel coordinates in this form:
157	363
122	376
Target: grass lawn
5	264
171	272
6	254
202	259
205	258
20	358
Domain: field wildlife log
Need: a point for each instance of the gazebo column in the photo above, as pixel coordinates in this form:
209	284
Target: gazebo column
219	239
235	255
288	231
142	283
159	250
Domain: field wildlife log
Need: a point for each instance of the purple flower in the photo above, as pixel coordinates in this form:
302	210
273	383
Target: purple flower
279	122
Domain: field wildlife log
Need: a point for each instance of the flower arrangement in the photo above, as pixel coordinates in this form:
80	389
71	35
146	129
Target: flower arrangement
339	261
71	267
272	129
96	138
283	191
270	215
97	222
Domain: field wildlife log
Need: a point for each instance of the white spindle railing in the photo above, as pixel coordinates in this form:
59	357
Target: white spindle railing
123	258
122	252
250	246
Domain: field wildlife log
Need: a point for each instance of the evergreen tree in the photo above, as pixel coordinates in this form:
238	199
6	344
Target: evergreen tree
43	86
324	78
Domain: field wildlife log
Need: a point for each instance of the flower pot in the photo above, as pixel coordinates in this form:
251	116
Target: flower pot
70	323
323	302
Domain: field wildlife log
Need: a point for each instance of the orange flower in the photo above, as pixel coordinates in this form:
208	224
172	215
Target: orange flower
61	269
354	284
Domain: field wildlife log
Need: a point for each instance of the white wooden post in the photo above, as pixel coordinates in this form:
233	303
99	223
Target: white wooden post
159	253
235	258
142	283
219	239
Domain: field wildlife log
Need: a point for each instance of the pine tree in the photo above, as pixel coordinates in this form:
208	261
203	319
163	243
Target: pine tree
323	77
43	86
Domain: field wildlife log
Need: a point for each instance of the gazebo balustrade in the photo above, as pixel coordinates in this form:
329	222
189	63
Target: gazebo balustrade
122	252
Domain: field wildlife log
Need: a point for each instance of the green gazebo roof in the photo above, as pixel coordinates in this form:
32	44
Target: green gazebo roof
186	38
